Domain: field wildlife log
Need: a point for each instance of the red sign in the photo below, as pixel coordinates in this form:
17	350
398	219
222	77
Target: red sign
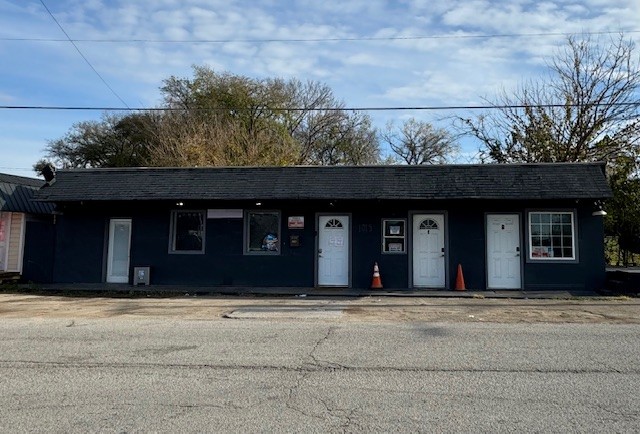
296	222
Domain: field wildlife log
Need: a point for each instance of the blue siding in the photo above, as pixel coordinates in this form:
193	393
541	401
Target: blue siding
82	236
37	265
80	249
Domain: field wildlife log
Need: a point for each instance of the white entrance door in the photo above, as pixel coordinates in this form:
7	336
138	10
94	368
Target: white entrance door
118	252
503	251
5	220
428	251
333	250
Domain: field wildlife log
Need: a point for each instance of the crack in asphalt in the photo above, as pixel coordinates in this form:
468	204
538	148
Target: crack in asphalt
630	417
309	367
293	390
228	405
345	417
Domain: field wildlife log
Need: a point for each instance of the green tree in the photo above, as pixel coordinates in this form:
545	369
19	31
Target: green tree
623	218
114	141
224	119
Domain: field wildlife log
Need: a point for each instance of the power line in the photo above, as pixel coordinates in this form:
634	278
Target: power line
302	40
387	108
82	55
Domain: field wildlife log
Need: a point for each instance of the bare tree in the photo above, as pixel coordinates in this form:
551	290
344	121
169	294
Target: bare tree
419	142
586	109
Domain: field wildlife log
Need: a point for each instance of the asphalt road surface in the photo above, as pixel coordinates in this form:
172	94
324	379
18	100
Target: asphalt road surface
170	374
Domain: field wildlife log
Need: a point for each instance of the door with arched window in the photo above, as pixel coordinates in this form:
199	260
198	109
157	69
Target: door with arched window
333	250
428	251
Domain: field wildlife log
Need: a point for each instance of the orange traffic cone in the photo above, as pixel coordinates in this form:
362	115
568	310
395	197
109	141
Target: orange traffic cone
460	280
376	283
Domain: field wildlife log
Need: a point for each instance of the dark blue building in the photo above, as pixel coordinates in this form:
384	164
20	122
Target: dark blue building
525	226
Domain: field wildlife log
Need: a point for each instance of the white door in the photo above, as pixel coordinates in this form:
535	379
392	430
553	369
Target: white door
333	250
503	251
5	220
119	248
428	251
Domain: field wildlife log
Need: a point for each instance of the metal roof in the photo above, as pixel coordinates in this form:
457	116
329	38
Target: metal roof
16	195
483	181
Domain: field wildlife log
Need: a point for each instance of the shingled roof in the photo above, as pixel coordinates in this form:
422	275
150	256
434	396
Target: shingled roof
16	195
485	181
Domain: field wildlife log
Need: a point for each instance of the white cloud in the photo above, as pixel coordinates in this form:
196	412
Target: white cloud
5	98
447	67
364	59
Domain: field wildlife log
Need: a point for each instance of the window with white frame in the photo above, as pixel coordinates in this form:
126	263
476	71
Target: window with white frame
552	235
187	231
393	236
262	232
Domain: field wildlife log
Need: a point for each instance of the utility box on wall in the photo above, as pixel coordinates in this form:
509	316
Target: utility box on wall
141	275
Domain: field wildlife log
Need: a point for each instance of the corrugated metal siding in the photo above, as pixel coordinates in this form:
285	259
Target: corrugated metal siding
16	195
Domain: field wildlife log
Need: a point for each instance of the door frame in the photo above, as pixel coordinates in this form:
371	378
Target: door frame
7	240
111	223
316	264
486	247
445	219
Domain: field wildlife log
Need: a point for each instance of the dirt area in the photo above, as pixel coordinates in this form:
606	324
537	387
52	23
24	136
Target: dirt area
619	310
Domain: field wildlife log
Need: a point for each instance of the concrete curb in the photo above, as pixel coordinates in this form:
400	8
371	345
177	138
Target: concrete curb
120	290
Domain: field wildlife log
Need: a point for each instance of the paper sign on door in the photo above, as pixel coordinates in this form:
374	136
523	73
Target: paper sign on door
336	241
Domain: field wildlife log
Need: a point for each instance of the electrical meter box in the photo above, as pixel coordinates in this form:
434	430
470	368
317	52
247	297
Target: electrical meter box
141	275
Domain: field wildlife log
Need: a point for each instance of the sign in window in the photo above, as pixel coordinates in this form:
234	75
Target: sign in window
393	236
262	232
551	235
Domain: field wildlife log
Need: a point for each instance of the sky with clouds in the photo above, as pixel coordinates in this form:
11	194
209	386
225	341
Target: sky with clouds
372	53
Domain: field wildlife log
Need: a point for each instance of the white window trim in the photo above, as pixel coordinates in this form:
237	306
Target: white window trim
574	236
172	232
247	239
402	237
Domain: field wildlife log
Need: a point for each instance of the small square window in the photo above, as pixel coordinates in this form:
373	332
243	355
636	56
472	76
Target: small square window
262	232
393	236
187	231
